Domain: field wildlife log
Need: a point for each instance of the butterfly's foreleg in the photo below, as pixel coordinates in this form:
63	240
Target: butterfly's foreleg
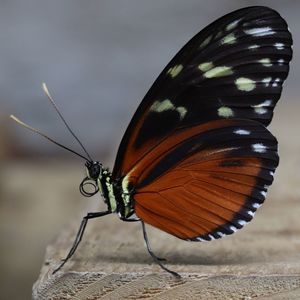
155	258
80	234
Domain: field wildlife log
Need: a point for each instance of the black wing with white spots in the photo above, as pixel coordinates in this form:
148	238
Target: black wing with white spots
234	68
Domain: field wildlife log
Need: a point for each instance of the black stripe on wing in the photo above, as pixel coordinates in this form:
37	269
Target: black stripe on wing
249	140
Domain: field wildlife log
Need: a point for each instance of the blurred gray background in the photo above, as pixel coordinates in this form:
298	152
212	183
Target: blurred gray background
98	59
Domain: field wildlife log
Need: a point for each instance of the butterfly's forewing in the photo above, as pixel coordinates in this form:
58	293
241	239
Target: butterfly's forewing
234	68
207	181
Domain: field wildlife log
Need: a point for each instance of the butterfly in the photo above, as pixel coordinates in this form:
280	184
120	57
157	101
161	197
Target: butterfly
197	159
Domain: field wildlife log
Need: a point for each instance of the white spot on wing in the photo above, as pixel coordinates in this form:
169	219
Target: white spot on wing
275	83
205	66
174	71
218	72
232	25
253	47
263	193
251	213
161	106
256	205
242	222
242	132
260	148
281	61
265	62
260	110
262	31
234	229
279	46
182	111
245	84
229	39
211	237
225	112
218	35
164	105
265	103
220	234
205	42
267	81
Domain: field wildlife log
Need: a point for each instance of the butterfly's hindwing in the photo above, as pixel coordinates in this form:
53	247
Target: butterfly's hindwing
209	184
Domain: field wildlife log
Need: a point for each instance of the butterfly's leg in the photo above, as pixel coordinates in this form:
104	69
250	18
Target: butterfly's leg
155	258
80	234
148	244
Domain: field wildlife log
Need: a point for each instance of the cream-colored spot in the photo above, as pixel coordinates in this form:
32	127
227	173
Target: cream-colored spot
229	39
218	72
205	42
225	112
182	111
260	31
232	25
253	47
218	35
165	105
260	110
245	84
162	106
173	72
265	62
205	66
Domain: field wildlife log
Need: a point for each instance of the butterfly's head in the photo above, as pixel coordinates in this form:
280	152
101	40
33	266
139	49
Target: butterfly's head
90	184
94	169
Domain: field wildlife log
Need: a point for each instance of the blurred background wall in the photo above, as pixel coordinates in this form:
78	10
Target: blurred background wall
98	58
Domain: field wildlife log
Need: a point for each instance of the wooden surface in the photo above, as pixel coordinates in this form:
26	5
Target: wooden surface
262	261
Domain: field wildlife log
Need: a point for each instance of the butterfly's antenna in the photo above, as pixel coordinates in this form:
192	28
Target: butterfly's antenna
46	91
45	136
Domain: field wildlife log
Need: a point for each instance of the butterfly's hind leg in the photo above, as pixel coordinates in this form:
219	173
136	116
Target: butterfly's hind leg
79	235
155	258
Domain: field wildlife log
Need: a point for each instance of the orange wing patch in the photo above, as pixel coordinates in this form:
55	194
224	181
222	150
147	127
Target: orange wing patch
209	192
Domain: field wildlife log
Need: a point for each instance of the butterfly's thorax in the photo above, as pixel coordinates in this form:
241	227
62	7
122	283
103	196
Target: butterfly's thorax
116	195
